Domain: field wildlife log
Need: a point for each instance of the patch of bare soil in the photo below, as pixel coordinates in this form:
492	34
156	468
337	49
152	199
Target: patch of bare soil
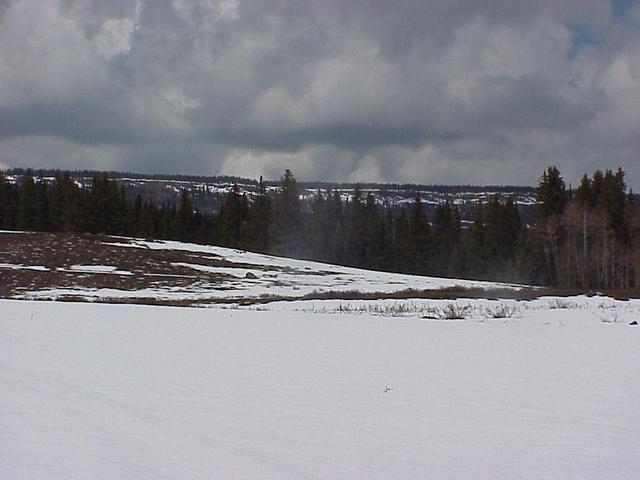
134	269
63	255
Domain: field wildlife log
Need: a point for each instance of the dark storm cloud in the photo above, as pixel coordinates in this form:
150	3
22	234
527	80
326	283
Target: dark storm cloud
441	91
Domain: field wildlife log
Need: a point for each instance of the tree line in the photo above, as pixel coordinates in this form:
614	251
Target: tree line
587	239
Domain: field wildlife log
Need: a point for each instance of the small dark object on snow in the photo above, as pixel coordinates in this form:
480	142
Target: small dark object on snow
634	323
388	389
250	275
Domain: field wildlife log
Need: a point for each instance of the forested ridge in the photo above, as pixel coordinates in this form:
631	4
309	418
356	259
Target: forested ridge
323	185
587	238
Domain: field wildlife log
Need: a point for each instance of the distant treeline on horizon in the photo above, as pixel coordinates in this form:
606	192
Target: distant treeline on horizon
230	179
587	238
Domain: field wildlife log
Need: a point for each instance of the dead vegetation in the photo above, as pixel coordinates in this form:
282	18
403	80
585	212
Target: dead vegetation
503	311
450	311
136	269
58	253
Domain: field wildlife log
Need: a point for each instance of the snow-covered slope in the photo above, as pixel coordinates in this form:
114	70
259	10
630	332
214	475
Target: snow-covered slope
182	272
121	391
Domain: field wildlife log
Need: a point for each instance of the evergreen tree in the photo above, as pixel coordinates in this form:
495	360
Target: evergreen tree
259	221
8	203
65	204
287	221
149	219
42	207
374	235
530	259
317	228
355	248
27	209
551	195
134	216
232	219
336	225
494	233
403	245
4	199
584	196
446	236
512	225
476	249
419	239
185	219
106	210
551	199
613	201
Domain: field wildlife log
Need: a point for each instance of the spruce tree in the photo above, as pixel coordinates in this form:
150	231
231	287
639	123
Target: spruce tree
287	221
336	225
184	218
476	248
58	203
41	222
106	206
259	221
373	233
446	236
4	199
419	239
551	198
551	195
232	219
27	207
355	220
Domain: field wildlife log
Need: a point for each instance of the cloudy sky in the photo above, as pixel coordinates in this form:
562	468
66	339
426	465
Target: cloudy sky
434	91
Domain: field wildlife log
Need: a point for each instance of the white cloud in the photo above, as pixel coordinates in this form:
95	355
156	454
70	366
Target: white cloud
179	101
438	91
115	36
228	9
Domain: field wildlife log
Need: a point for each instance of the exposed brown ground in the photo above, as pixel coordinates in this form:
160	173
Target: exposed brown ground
156	269
59	252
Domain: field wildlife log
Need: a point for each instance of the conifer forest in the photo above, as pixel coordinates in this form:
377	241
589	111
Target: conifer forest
585	238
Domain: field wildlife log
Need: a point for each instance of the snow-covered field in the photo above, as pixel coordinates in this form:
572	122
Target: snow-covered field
297	391
271	381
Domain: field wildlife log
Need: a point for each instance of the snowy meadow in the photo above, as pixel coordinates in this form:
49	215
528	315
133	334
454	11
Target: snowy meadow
306	387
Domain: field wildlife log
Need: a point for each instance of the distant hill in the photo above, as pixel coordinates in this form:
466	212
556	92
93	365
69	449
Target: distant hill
207	192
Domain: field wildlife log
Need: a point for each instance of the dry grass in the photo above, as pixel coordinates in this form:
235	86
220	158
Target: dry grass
158	269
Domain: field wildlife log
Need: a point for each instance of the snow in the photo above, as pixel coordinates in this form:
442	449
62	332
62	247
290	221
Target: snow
93	268
245	276
595	308
121	391
112	269
275	277
376	389
109	269
20	266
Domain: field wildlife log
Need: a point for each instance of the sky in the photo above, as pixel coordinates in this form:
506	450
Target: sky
419	91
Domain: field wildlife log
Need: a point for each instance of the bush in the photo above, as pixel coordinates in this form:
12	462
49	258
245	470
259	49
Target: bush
450	311
503	311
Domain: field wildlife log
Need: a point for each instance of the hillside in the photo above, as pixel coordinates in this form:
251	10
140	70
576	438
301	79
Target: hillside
119	269
207	193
